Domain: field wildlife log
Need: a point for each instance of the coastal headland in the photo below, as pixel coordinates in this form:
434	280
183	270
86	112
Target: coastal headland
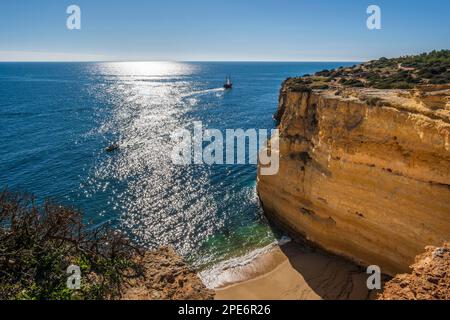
365	160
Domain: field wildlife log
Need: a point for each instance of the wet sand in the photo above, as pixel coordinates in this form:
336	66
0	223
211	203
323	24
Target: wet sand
294	272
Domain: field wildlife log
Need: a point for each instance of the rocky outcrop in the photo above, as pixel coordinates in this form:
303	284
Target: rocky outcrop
165	277
429	280
433	97
364	173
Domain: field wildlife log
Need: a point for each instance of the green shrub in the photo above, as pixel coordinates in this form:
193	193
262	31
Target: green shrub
300	88
298	84
352	83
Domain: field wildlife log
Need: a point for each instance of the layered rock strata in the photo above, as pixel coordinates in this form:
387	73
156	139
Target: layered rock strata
364	173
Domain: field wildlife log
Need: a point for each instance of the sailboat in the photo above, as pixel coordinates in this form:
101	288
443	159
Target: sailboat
228	84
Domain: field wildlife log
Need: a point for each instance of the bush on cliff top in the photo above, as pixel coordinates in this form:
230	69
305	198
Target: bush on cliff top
39	242
398	73
298	85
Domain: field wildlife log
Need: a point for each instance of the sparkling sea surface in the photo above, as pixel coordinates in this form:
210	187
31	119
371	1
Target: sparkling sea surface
56	119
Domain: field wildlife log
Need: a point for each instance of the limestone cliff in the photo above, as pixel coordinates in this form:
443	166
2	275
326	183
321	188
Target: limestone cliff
364	172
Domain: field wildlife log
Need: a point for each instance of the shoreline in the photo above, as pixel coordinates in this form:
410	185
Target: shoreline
292	271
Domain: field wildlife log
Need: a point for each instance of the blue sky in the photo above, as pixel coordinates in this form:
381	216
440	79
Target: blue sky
275	30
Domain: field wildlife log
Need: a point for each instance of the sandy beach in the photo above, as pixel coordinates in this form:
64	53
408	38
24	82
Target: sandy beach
294	272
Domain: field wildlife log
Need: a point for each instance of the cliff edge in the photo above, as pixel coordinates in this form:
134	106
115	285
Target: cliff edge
429	280
365	160
165	277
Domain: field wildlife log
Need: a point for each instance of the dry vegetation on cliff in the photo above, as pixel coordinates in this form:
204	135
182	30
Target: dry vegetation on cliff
39	242
398	73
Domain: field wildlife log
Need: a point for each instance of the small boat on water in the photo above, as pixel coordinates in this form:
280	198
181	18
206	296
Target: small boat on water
112	147
228	84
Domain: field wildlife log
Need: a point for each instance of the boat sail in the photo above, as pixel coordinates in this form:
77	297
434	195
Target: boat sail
228	84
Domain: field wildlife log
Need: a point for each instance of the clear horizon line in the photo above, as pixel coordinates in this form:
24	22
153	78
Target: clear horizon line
181	61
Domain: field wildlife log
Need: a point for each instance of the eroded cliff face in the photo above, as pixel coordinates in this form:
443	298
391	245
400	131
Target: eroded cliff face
364	173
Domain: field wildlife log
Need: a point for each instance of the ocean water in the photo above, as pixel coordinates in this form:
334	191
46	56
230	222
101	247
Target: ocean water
56	119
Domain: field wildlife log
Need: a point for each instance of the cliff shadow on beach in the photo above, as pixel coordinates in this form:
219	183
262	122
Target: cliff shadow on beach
331	277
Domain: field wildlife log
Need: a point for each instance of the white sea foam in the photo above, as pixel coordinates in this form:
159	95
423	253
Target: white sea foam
200	92
219	275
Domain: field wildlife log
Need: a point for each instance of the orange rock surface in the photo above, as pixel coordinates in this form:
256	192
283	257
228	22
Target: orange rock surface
429	280
364	173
